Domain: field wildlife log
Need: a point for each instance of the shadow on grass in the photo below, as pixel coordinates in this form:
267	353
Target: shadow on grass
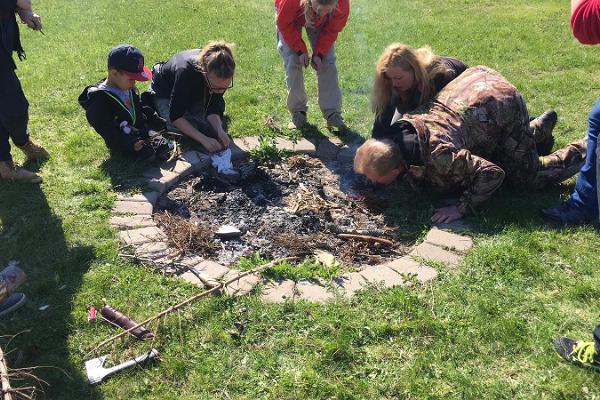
33	235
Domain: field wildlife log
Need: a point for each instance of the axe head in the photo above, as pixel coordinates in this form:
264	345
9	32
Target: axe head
95	369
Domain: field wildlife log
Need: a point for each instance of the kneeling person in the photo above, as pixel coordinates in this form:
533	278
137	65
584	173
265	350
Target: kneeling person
114	110
188	92
475	133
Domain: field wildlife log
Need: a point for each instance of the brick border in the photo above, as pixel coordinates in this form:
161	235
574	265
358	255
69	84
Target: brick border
132	217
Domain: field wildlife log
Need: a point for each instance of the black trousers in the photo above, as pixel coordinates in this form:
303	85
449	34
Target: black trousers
14	113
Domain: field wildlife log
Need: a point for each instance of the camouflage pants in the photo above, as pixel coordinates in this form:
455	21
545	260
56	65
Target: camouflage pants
482	112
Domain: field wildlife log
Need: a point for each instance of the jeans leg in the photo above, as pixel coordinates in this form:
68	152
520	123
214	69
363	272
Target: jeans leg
586	194
297	99
13	108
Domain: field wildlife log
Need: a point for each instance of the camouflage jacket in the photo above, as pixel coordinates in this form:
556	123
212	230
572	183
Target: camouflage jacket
472	135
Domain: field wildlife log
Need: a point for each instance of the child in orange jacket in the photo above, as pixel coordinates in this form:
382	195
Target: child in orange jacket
323	21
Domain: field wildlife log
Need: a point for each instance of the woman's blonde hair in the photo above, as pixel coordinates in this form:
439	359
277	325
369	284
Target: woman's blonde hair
379	156
422	62
309	14
217	57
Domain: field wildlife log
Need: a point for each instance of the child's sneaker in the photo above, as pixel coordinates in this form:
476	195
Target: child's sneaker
583	354
162	147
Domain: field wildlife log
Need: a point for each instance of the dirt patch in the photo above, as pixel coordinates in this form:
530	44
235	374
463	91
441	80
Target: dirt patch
291	209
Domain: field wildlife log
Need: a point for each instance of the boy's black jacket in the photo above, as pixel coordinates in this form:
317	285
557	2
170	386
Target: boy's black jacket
106	113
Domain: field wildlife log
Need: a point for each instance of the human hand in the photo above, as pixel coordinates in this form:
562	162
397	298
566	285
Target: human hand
316	63
30	18
137	146
303	59
210	144
446	215
223	137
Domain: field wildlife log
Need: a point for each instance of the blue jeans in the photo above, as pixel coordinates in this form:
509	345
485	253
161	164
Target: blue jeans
13	113
585	195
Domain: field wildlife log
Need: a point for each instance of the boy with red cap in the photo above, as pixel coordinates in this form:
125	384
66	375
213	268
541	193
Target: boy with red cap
114	109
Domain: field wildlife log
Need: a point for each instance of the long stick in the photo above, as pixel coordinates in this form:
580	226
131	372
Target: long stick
192	299
6	389
366	238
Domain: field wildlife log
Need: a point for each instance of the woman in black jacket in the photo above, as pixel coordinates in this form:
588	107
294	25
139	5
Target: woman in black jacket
188	92
406	78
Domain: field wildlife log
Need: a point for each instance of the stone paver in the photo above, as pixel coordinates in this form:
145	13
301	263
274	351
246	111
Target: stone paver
131	221
432	252
449	240
160	179
350	283
327	150
212	269
183	168
406	265
381	275
310	291
302	146
152	250
278	292
150	197
247	143
142	235
192	278
458	226
191	261
133	207
243	285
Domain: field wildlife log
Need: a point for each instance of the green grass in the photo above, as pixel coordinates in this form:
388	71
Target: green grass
482	331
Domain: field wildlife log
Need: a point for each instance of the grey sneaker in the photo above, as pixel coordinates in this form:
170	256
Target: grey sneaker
335	122
298	120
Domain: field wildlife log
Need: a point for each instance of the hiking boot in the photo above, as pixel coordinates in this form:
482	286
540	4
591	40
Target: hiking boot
541	128
298	120
10	171
583	354
34	152
11	303
335	122
567	214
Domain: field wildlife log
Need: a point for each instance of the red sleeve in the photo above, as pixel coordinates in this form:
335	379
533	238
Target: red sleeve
290	29
585	22
329	33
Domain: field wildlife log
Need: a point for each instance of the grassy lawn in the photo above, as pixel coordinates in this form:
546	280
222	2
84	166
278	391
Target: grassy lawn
481	331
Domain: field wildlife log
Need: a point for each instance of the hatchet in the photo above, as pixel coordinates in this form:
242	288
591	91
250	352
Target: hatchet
96	373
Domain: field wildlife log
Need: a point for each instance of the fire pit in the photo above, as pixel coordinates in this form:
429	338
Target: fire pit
297	207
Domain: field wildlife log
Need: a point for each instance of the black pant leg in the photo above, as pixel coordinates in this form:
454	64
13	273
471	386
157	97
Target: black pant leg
14	107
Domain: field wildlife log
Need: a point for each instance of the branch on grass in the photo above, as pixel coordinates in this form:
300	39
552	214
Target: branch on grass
216	289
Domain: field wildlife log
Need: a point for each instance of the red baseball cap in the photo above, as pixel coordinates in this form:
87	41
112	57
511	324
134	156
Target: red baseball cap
130	60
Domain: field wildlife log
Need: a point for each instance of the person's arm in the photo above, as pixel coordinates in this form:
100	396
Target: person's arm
585	21
180	102
329	33
482	176
217	124
286	24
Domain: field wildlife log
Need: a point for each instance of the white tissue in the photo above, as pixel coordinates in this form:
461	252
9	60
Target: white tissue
222	162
